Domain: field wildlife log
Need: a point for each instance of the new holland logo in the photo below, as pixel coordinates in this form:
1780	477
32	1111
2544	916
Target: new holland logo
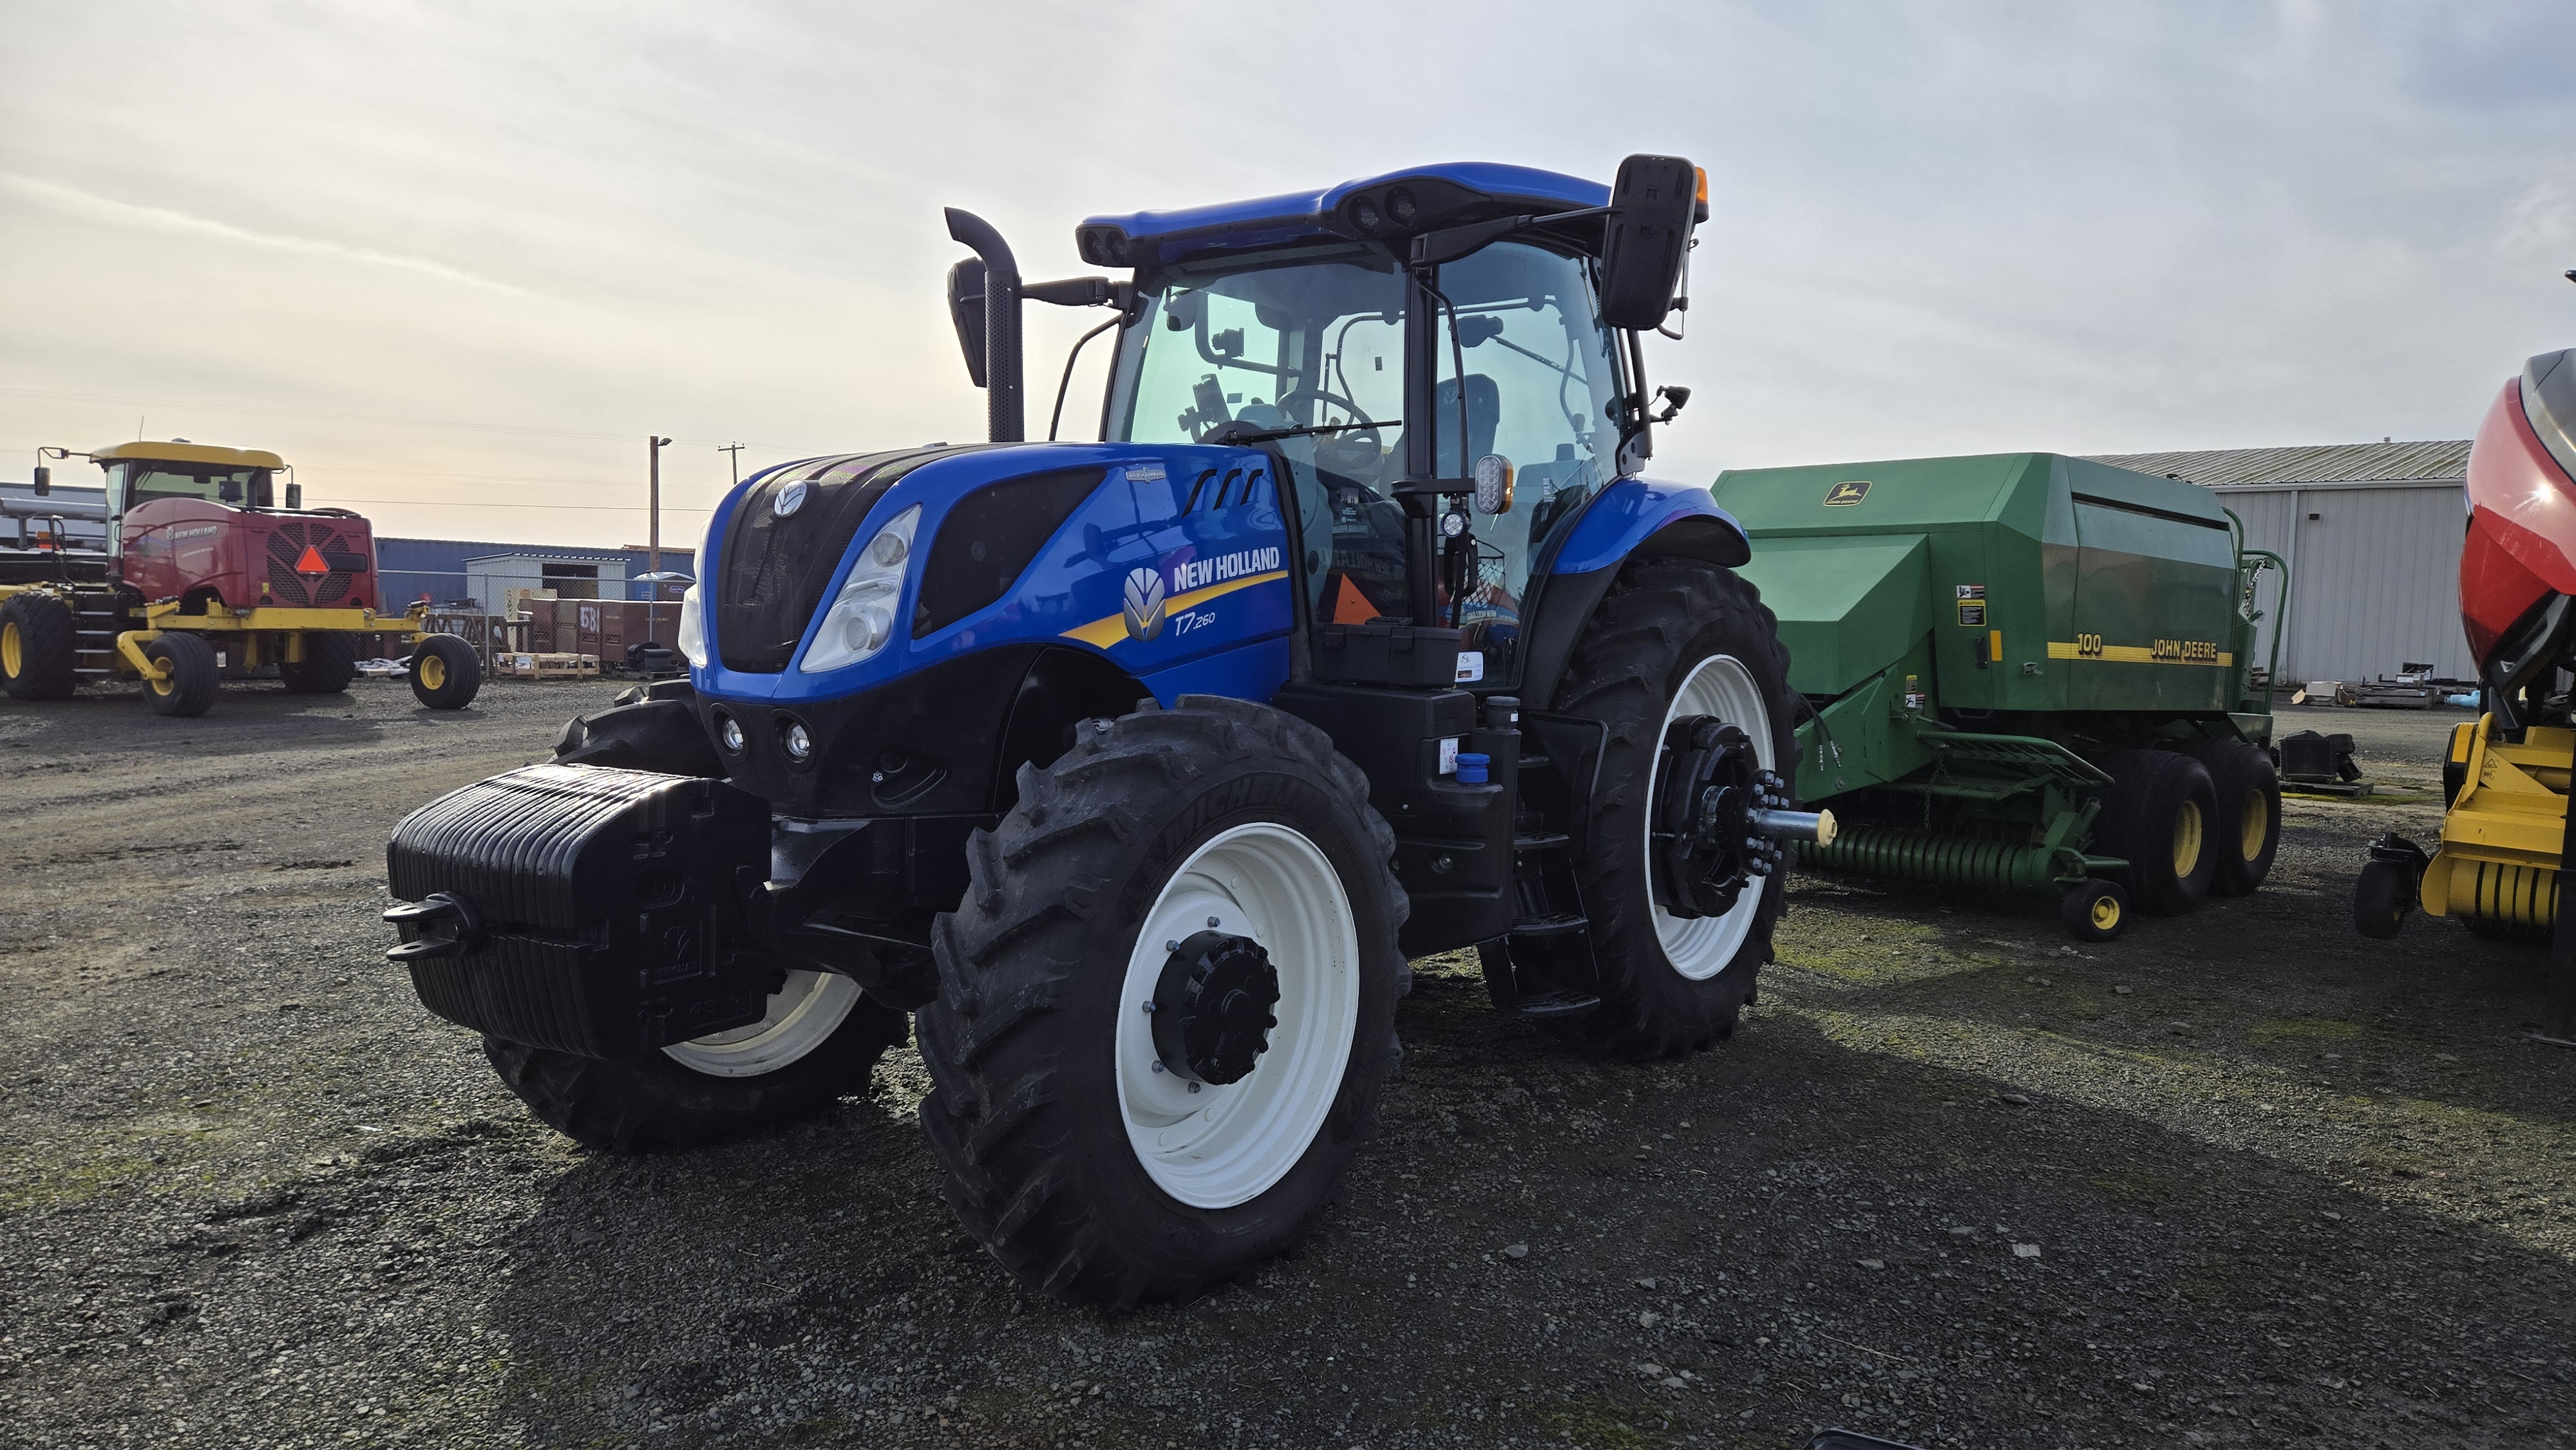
789	500
1144	603
1849	491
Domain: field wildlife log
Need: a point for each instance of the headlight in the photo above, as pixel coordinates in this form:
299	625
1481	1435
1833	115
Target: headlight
692	639
861	620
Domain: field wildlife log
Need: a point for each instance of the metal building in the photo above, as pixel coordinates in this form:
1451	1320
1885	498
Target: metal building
2372	533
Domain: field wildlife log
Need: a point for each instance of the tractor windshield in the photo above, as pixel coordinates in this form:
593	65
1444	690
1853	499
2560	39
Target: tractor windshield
140	480
1314	339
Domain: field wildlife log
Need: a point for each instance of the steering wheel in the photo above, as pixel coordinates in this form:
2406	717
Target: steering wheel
1358	451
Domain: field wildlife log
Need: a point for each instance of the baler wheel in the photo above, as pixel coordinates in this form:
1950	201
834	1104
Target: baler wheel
1117	1123
187	685
445	672
2381	898
36	645
819	1042
2158	817
330	662
1672	637
2095	911
2247	829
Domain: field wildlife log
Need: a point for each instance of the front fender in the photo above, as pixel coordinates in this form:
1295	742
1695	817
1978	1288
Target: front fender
1638	515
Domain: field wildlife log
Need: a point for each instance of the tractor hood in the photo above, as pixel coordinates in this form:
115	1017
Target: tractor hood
2521	547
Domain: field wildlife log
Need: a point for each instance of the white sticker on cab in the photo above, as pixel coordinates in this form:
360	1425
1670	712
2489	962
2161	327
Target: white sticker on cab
1471	665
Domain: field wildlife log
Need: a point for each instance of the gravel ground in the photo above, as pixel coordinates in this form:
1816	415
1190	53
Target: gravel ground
2242	1178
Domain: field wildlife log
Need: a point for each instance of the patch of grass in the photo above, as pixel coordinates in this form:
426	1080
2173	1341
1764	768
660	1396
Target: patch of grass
2303	1029
32	1183
2211	1280
2132	1185
1596	1423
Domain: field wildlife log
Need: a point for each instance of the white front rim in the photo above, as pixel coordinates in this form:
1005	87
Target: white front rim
1700	947
1222	1146
802	1015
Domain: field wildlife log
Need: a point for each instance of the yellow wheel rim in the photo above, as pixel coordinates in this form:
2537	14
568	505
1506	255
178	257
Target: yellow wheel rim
12	658
433	671
2106	912
169	679
2256	827
2187	838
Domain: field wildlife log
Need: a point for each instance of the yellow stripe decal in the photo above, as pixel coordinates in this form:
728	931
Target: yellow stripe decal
1102	633
2130	654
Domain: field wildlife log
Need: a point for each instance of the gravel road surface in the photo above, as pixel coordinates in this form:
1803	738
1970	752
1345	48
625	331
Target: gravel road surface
2242	1178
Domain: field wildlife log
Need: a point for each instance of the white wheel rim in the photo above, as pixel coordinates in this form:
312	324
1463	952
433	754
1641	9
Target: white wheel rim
1701	947
802	1015
1222	1146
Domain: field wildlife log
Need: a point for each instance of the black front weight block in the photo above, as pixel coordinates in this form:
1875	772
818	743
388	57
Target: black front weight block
594	911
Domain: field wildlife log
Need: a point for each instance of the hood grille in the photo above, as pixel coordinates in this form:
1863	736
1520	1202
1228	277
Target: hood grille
294	586
775	569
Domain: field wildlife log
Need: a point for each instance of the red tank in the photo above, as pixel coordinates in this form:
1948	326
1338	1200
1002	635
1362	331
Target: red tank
184	548
2522	502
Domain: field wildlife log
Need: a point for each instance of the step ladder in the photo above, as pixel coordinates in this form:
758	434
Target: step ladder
1544	967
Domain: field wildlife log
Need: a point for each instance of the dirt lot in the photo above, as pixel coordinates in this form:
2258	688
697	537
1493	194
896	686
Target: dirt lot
2242	1178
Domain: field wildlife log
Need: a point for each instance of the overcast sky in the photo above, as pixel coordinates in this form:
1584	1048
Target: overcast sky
456	260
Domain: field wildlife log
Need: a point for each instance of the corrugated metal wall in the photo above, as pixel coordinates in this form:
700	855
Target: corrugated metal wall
2377	576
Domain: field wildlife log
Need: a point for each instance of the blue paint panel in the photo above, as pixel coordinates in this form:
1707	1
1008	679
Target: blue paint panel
1253	672
1625	515
1278	220
1198	569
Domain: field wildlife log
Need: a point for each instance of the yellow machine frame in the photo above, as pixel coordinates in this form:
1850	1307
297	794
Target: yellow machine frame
264	636
2499	857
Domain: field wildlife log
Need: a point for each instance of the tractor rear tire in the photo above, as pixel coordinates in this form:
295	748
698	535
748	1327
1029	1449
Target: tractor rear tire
1673	637
187	687
1159	845
330	662
445	672
719	1088
36	645
2247	829
2158	816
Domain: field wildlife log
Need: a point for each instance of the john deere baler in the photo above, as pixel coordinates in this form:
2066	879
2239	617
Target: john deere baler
2023	672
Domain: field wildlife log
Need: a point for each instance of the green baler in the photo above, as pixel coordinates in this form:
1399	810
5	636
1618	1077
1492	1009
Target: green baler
2024	672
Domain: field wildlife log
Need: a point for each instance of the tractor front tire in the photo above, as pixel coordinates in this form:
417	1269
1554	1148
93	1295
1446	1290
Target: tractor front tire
445	672
187	684
36	644
2247	829
818	1043
330	662
1673	637
2160	816
1202	858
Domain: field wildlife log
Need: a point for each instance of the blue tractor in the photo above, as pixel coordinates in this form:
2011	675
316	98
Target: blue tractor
1130	774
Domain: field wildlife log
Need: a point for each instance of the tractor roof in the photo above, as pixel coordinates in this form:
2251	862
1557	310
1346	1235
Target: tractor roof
1437	196
179	450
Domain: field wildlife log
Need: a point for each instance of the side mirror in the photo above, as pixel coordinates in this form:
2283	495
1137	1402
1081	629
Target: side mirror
295	496
966	310
44	480
1185	311
1493	484
1645	239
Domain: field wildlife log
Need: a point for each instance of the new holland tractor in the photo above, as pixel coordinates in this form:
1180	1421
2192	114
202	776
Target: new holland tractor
203	576
2506	777
1134	772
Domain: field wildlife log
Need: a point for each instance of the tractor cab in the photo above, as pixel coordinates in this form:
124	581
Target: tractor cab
203	525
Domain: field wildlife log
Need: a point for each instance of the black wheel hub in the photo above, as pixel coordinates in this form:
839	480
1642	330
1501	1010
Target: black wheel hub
1212	1008
1706	848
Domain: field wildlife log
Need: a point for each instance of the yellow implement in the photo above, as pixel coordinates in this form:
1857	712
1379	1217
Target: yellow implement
2498	860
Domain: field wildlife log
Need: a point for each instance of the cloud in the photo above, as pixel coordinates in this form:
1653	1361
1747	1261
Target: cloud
86	206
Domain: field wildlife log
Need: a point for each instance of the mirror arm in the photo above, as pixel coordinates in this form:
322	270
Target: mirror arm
1450	243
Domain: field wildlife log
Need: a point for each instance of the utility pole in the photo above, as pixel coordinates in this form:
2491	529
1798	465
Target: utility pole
653	524
736	450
